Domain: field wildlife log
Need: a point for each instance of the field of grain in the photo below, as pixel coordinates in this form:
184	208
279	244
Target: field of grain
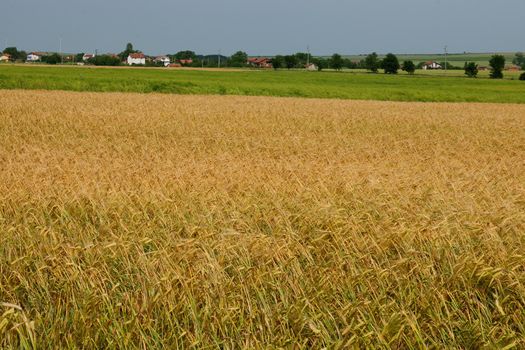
159	221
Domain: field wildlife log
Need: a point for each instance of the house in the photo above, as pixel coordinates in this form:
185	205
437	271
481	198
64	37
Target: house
136	58
87	56
260	62
311	67
164	60
5	57
513	68
35	56
431	65
186	62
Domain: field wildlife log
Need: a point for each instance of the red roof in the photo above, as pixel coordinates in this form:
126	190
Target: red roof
137	55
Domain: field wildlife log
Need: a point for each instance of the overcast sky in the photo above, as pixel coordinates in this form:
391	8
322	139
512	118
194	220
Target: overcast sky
264	27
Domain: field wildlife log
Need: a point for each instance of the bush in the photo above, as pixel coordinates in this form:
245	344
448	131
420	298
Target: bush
522	76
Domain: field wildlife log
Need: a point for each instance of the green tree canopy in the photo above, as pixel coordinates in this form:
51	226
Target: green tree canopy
372	62
278	62
409	67
497	63
129	50
390	64
471	69
238	59
519	60
290	61
336	62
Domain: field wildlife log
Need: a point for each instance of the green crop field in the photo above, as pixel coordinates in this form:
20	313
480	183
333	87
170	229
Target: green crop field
428	87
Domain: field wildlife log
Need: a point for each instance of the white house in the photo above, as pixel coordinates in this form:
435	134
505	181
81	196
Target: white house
165	60
34	57
311	67
87	56
136	58
4	57
432	65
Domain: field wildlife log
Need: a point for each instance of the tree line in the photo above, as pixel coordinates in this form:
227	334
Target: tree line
390	64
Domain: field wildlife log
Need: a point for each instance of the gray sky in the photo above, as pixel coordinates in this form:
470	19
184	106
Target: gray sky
264	27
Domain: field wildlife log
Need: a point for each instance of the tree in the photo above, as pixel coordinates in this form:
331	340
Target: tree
238	59
409	67
321	63
471	69
336	62
15	54
519	60
372	62
129	50
522	76
390	64
497	63
185	55
52	59
105	60
290	61
278	62
302	58
79	57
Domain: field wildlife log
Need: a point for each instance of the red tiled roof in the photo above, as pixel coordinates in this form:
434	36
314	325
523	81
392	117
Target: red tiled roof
137	55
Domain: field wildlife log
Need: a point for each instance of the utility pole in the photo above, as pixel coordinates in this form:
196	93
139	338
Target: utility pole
446	60
308	56
60	51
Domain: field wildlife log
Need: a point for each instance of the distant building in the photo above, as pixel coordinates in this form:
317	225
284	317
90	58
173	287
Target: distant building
136	58
260	62
432	65
186	62
87	56
311	67
164	60
513	68
5	57
35	56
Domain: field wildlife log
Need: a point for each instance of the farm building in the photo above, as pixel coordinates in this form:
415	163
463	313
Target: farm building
432	65
35	56
165	60
186	62
311	67
5	57
513	68
87	56
260	62
136	58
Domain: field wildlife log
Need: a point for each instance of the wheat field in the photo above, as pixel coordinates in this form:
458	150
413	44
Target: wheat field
157	221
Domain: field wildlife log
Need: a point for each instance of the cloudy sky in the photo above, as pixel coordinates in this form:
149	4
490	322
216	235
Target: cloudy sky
264	27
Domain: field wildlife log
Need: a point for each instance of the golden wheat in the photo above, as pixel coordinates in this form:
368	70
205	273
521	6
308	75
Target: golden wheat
150	221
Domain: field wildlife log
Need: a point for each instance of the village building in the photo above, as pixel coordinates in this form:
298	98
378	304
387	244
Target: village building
87	56
164	60
431	65
5	57
136	58
186	62
260	62
35	56
311	67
